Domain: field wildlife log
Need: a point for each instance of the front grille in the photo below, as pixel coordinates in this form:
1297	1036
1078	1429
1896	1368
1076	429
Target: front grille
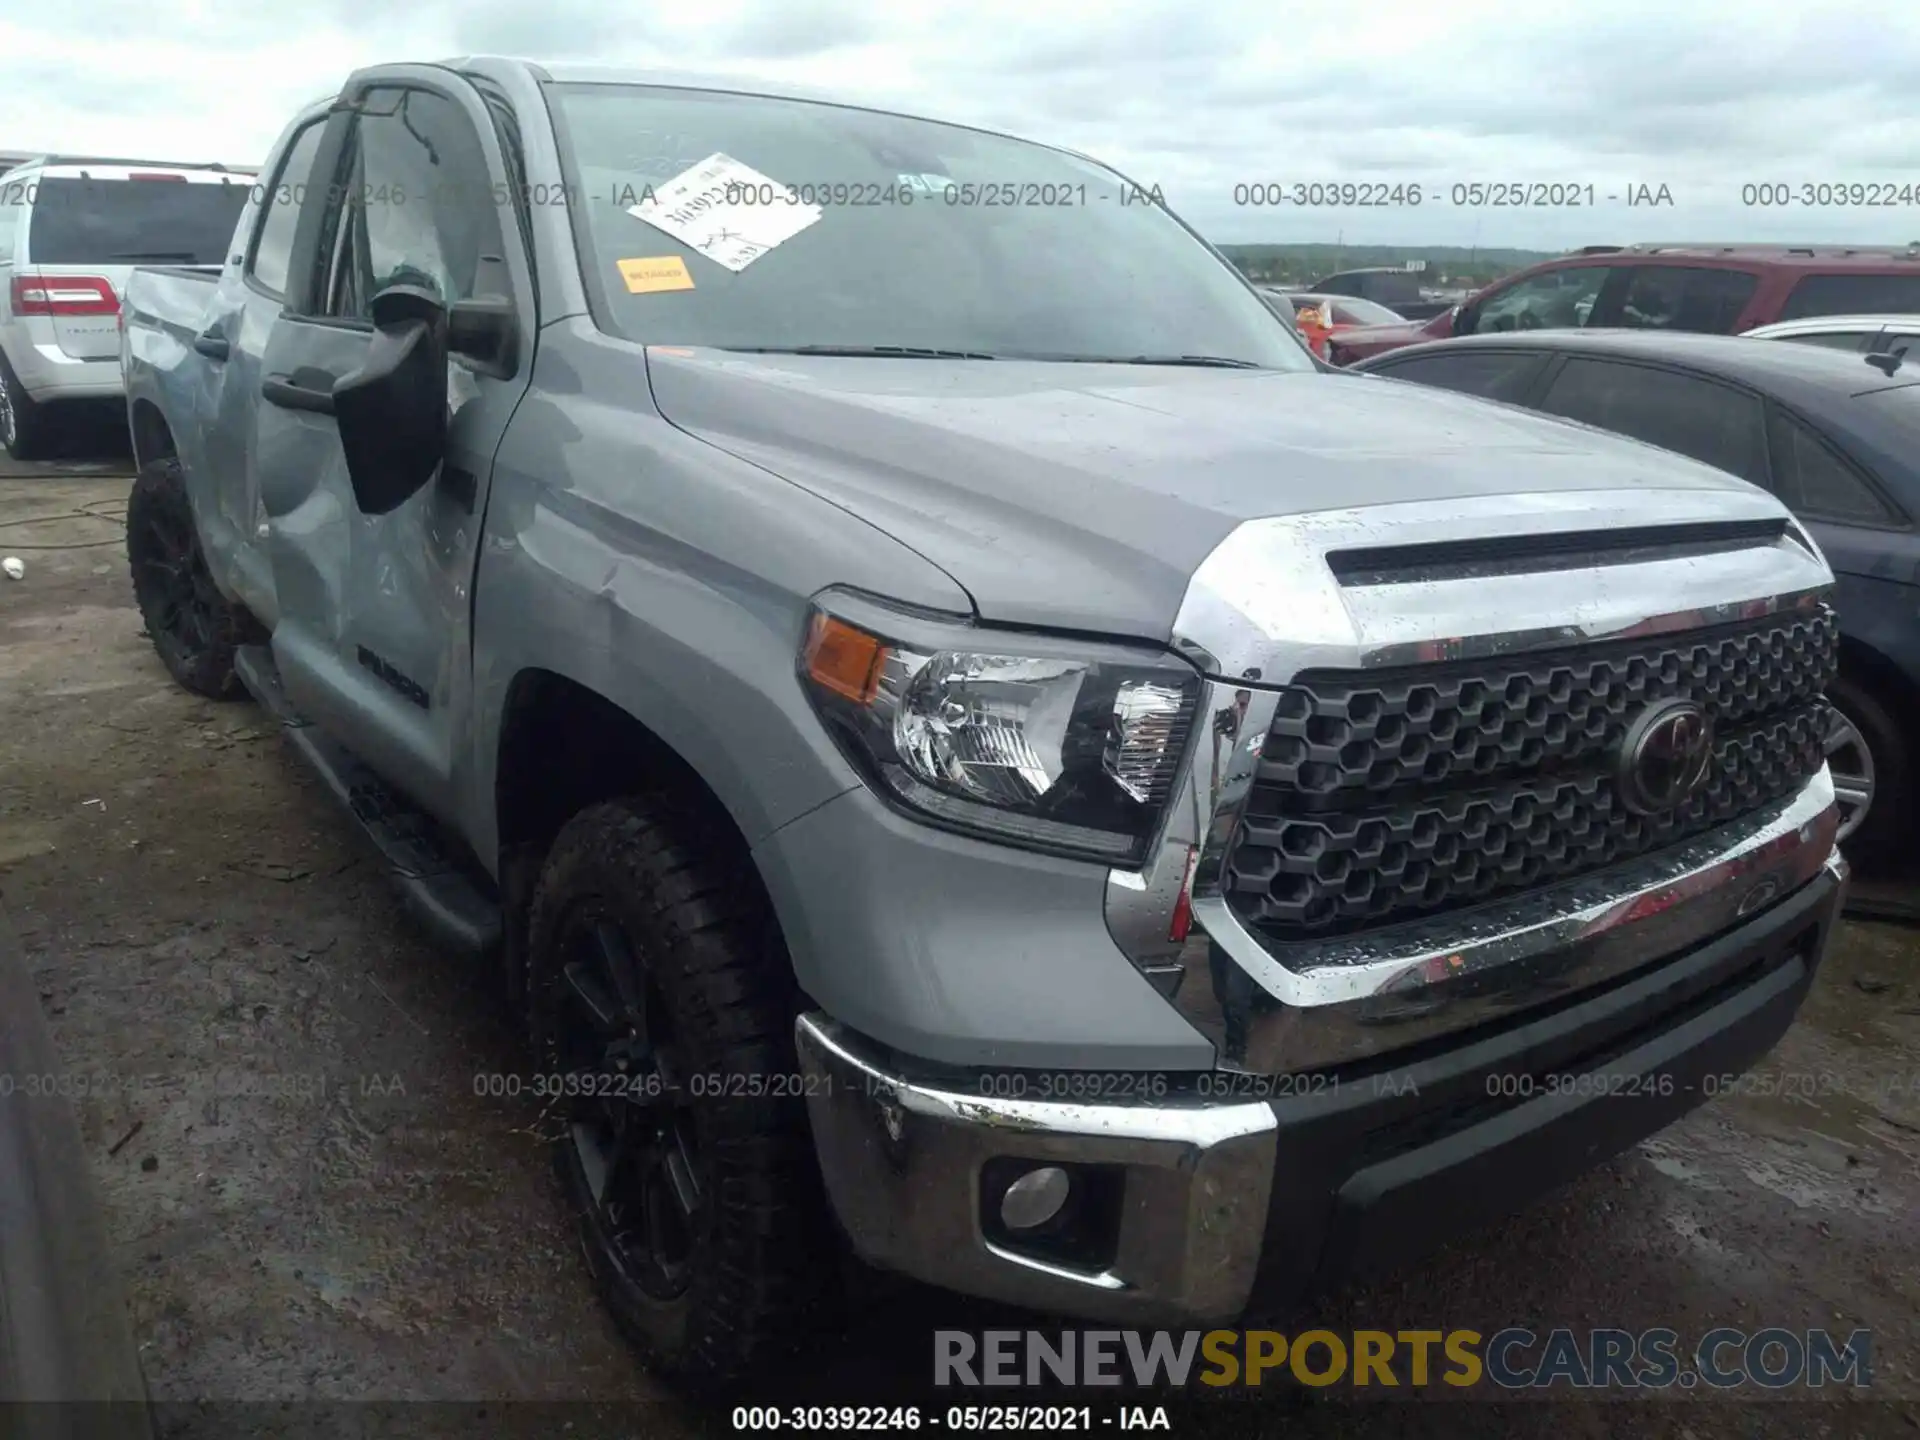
1384	796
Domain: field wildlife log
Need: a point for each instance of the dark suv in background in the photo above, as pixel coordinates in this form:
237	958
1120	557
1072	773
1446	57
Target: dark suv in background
1836	436
1710	289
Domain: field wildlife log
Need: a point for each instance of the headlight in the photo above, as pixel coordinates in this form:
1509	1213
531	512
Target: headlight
1059	745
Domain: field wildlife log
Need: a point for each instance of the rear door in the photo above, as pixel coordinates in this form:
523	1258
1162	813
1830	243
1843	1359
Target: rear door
233	345
88	226
374	633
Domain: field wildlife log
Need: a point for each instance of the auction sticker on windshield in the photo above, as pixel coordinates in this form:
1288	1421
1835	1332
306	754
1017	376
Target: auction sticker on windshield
659	272
729	212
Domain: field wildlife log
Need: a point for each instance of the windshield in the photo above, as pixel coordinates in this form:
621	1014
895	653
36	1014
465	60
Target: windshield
826	226
128	222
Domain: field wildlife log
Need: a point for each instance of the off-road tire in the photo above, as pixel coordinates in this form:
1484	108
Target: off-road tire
763	1272
23	436
194	628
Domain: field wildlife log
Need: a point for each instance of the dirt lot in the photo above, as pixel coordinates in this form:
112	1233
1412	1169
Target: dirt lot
311	1202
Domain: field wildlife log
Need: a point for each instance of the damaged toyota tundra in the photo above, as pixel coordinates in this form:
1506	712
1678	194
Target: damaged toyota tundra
966	747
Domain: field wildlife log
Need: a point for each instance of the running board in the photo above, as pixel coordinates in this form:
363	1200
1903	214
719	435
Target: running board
439	891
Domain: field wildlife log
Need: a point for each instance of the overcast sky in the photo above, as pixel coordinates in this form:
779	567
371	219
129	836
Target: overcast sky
1695	95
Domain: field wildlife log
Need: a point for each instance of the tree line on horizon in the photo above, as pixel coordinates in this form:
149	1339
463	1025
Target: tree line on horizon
1447	265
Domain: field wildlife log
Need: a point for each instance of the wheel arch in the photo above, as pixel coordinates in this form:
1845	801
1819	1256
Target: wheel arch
562	746
1866	664
152	436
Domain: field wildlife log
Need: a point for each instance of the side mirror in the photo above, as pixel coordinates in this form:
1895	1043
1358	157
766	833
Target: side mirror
392	411
1461	320
485	332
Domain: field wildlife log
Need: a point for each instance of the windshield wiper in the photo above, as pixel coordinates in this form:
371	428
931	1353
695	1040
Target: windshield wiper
915	352
892	352
1212	362
182	256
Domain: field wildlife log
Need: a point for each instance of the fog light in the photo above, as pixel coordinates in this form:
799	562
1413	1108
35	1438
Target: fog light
1035	1198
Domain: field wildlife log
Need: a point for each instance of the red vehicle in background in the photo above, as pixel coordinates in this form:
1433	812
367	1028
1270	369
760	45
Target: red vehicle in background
1713	289
1320	317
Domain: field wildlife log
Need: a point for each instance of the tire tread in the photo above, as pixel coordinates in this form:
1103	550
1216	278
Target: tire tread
768	1276
160	486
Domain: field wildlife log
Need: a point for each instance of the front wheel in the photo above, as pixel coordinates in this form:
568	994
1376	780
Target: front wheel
662	1015
194	628
1870	761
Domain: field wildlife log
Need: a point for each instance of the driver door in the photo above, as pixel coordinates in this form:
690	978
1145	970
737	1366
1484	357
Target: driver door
373	641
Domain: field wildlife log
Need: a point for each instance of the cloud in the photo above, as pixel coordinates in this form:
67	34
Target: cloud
1704	98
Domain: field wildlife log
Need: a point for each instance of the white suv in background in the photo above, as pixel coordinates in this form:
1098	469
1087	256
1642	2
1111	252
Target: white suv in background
1862	334
71	230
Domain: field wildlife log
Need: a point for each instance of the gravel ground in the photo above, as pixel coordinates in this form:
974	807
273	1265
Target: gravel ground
310	1201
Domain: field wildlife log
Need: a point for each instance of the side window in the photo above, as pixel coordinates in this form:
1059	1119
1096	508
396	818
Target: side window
1831	339
1853	295
1695	416
273	241
1493	374
1556	300
1681	297
1363	312
417	205
1816	482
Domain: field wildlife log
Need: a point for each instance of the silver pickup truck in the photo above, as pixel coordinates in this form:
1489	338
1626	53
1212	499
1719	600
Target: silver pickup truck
955	730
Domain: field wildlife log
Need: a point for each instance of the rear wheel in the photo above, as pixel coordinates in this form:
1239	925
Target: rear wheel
22	420
194	628
1871	764
662	1016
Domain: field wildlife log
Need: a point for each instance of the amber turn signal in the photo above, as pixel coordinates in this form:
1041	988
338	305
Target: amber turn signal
844	660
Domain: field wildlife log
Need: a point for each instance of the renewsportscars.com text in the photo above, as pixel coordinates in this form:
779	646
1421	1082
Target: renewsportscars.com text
1514	1358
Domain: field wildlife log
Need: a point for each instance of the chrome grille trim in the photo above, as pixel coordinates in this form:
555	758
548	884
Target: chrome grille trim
1266	608
1381	796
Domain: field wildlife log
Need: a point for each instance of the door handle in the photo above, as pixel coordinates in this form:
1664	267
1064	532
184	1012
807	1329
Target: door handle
282	391
213	345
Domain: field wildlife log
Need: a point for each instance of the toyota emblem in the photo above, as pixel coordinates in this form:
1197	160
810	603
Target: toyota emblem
1664	756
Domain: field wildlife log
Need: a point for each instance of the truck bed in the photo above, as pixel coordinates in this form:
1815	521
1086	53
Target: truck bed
170	296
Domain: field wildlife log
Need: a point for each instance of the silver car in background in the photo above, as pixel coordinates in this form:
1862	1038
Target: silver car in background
1856	334
71	230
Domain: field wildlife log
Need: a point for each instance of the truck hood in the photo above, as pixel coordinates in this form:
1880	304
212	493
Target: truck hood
1084	496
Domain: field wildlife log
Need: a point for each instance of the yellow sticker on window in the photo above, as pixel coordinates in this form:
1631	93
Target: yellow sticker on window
661	272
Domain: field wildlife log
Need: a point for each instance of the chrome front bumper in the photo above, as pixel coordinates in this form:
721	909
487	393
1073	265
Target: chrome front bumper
902	1163
1219	1198
1298	1007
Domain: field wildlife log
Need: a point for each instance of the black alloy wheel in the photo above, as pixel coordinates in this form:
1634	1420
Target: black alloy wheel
635	1150
194	628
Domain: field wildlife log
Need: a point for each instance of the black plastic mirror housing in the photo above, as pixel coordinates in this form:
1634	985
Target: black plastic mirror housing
485	333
